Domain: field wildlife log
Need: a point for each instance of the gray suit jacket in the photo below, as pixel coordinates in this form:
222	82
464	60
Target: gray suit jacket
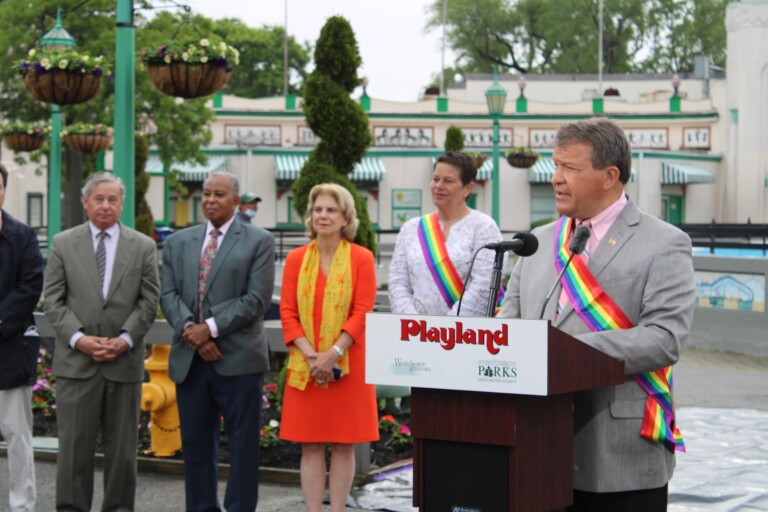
645	266
73	301
238	294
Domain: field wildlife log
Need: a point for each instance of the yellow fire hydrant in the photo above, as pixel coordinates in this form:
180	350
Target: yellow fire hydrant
158	396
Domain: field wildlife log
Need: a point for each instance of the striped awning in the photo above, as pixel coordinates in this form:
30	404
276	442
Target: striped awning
684	174
288	167
544	168
191	171
484	173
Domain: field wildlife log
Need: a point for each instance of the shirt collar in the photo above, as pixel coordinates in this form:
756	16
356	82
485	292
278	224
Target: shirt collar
113	231
603	221
222	230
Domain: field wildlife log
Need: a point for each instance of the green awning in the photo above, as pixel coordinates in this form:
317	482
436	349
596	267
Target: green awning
684	174
288	167
544	168
484	173
190	171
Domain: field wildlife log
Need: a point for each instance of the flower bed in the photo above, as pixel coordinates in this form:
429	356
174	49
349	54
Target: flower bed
395	443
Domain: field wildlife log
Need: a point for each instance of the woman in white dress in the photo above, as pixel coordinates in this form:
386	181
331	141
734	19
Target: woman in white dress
421	279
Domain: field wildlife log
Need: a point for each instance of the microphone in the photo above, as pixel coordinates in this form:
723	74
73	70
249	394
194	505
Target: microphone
523	244
577	245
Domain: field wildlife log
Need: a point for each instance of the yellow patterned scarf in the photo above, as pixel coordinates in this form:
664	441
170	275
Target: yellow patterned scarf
336	302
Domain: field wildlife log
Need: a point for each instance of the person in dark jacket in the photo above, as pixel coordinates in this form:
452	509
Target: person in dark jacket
21	282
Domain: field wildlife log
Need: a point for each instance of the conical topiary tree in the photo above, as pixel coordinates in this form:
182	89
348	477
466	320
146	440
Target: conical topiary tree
338	121
454	139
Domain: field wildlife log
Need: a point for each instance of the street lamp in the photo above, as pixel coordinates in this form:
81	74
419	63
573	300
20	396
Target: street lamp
522	102
495	98
56	39
674	101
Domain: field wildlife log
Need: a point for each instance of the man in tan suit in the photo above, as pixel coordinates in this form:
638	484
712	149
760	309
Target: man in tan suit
101	294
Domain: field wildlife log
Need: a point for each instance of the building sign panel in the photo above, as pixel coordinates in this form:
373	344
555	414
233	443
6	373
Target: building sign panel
483	137
250	135
655	138
306	137
403	136
696	137
542	137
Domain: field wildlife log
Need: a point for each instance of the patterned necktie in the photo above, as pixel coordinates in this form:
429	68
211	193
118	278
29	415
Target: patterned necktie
206	261
101	257
563	301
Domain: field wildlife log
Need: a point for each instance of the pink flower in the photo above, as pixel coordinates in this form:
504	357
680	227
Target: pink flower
405	430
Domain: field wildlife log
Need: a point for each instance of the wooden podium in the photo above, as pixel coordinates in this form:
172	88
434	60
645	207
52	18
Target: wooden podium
489	451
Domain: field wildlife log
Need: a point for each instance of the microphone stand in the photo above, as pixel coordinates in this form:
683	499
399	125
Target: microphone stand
551	290
498	263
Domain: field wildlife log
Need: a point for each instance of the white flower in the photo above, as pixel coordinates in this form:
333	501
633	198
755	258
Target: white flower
185	56
274	423
223	46
63	63
204	59
85	58
45	63
204	43
167	59
32	52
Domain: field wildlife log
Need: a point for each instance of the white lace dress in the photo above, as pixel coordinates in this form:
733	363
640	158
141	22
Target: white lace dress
411	286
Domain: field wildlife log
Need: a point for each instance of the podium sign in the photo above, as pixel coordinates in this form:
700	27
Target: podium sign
491	406
462	353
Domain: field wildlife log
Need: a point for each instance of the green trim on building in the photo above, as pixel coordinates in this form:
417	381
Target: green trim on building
674	104
682	116
218	99
597	105
442	104
290	102
365	102
521	105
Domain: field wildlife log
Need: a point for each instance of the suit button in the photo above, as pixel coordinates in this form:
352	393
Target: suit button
103	306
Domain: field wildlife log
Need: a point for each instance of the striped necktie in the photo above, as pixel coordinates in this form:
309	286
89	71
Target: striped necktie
101	257
206	261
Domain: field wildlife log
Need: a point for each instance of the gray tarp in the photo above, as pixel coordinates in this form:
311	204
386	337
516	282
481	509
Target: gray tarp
724	469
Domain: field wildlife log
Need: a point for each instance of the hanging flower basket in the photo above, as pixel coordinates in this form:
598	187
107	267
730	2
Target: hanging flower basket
87	138
478	158
24	136
521	157
190	68
62	77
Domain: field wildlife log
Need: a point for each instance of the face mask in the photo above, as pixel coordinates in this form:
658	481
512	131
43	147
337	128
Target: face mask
250	214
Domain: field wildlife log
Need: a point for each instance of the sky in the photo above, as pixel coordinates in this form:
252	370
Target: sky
399	55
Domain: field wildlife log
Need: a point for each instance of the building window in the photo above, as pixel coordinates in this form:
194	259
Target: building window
543	206
35	209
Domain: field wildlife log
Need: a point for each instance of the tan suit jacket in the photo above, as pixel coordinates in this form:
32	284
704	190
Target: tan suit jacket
73	301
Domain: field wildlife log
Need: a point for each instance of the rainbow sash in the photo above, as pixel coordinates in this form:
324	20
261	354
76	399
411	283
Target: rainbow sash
439	263
600	313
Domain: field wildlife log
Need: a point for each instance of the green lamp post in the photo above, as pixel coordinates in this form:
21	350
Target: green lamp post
56	39
496	98
124	152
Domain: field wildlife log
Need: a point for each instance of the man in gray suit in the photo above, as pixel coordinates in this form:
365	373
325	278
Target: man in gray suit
644	266
101	293
216	286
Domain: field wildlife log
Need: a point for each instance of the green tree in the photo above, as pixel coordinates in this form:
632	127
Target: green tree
338	121
561	36
178	129
454	139
144	222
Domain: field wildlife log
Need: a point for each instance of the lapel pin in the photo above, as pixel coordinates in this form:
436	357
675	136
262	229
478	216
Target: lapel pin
612	242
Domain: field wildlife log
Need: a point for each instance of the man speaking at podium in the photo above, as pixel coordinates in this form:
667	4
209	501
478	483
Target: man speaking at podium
630	294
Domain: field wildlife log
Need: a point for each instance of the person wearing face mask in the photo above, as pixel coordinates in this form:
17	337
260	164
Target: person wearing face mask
249	205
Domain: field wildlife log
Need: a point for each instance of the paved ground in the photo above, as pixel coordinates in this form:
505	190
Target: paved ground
702	379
